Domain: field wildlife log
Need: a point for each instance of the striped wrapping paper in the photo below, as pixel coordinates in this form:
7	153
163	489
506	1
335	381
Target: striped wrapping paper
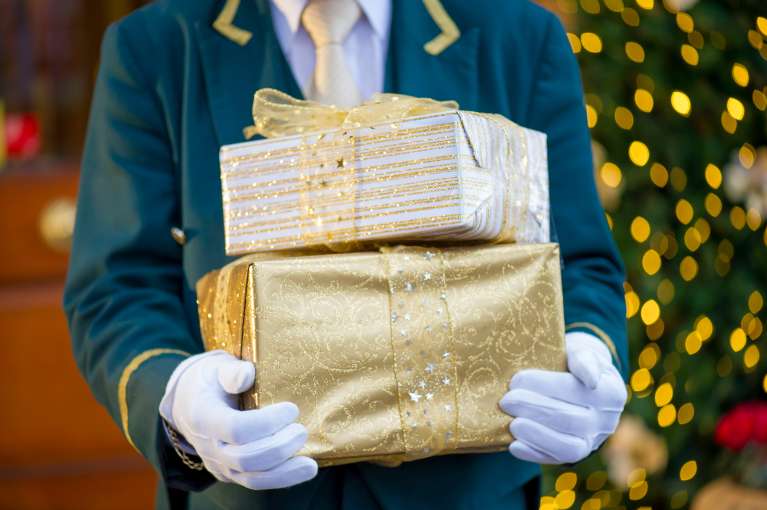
452	176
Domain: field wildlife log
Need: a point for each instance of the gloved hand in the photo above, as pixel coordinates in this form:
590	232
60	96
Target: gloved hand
561	417
252	448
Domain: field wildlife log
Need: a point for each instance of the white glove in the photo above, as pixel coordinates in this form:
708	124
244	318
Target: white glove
561	417
252	448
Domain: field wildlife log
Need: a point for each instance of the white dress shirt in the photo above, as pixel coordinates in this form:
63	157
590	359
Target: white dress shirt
365	47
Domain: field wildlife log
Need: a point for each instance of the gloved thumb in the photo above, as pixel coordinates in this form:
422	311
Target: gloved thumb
585	367
236	376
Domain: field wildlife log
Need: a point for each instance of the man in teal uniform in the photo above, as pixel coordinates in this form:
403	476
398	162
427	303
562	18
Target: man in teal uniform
176	82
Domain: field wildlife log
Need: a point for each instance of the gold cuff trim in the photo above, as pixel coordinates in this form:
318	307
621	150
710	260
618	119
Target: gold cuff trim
224	24
122	386
602	336
450	32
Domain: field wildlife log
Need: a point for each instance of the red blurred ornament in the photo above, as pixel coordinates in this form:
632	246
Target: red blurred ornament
760	423
22	135
745	423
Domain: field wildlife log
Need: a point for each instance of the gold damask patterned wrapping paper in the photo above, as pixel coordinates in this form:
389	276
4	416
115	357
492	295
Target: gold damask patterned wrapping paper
392	355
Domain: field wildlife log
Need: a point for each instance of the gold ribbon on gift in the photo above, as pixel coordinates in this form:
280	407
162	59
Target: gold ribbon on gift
425	369
278	114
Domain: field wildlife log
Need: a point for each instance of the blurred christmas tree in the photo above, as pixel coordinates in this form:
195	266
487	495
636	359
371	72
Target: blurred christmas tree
676	93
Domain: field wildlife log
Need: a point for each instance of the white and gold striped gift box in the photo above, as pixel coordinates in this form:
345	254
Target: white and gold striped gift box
451	176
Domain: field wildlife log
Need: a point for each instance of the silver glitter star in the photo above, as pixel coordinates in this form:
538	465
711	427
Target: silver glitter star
430	368
422	384
394	316
445	354
448	407
415	396
402	332
428	255
443	296
426	277
408	287
429	396
445	380
407	316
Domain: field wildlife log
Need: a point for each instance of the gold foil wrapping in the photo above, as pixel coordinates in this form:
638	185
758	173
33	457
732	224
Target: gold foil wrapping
393	355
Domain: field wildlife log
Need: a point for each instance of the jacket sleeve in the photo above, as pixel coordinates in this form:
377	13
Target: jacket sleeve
593	274
124	286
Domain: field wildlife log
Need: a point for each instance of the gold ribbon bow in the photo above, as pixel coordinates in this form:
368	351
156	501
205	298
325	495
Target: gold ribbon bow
278	114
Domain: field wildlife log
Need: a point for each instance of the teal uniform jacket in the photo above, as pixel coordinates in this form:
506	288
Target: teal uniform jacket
174	86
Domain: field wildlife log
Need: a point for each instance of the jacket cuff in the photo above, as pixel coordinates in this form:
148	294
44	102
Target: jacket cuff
140	389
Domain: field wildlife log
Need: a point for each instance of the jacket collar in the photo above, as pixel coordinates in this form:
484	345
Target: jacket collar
377	12
450	74
234	69
240	54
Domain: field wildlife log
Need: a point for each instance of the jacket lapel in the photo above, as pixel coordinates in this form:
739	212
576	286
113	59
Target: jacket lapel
450	74
247	57
238	61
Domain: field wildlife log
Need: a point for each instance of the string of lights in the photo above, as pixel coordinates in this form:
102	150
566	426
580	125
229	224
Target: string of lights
676	92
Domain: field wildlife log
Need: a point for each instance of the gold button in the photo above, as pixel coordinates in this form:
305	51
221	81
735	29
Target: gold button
178	235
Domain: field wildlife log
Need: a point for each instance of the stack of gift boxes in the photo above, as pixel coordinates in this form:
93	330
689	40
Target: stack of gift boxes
395	273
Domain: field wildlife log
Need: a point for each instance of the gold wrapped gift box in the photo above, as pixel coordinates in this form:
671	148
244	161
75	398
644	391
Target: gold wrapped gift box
392	355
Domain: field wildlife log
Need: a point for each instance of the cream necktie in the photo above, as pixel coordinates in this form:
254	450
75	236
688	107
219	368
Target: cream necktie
328	22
